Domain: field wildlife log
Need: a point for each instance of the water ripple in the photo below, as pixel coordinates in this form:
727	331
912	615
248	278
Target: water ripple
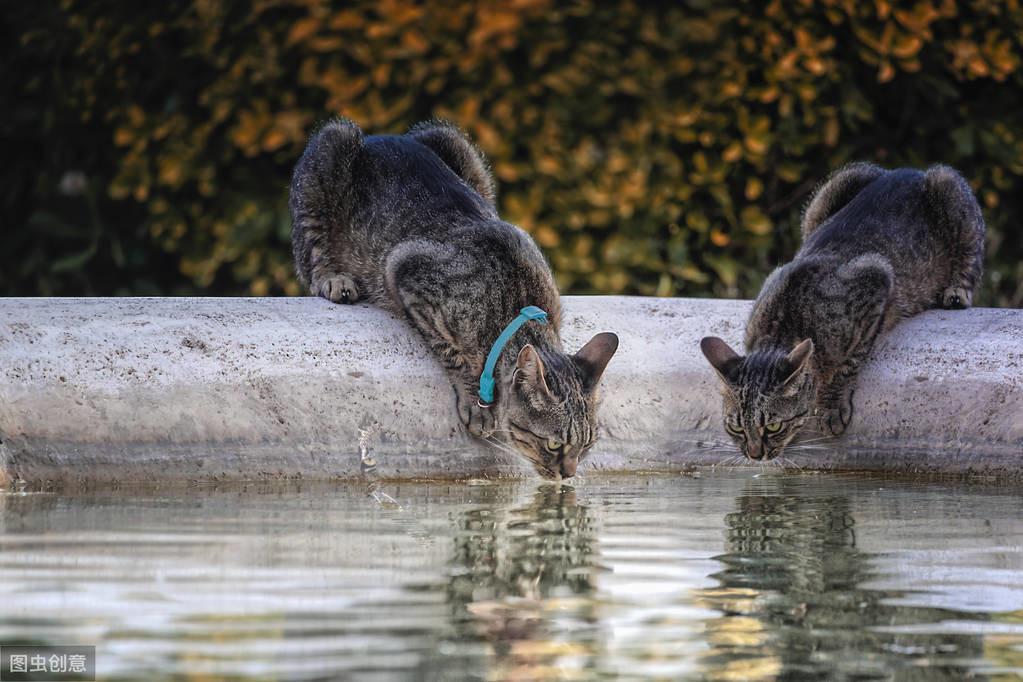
731	576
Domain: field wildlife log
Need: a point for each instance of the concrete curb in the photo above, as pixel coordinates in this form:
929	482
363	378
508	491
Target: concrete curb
160	389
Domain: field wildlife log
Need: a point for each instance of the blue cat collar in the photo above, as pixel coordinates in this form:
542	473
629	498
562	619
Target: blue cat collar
530	312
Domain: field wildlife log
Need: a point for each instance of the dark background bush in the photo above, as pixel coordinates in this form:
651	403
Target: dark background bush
650	148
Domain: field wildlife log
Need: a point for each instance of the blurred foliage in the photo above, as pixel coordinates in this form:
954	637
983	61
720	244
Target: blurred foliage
650	148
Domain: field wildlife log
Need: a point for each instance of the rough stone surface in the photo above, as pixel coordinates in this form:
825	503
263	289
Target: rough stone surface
187	389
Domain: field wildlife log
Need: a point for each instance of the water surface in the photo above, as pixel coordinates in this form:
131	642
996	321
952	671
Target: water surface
736	575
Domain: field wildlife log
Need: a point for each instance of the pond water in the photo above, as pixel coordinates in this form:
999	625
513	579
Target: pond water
740	574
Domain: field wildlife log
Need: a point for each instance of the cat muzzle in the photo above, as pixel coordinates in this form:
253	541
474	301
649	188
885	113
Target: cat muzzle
755	451
568	466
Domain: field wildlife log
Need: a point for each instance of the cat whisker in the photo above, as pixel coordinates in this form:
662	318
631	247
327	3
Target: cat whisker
814	440
729	461
509	450
723	447
497	448
786	461
709	451
730	453
497	445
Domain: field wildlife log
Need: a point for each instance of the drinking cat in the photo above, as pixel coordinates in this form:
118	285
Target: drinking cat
878	246
408	223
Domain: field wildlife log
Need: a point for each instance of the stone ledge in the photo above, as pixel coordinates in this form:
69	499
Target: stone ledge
165	389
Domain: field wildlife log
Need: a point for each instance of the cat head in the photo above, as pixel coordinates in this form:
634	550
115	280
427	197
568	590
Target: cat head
768	394
549	406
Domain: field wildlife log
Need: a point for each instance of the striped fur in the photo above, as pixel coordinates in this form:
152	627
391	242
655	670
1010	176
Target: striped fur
408	222
878	246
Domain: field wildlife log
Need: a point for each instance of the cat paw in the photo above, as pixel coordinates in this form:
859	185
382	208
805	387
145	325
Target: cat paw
481	421
956	298
833	423
835	420
338	288
478	421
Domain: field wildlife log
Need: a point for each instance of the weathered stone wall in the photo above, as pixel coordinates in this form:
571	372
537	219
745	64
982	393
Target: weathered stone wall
187	389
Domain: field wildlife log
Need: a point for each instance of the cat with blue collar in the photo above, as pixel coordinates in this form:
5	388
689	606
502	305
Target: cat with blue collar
408	223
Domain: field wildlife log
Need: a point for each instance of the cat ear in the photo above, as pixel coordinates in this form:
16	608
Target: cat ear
594	356
720	356
529	369
798	359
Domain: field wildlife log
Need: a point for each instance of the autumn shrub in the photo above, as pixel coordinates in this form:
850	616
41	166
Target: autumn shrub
650	148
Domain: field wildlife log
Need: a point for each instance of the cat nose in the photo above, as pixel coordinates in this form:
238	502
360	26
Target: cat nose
755	451
568	465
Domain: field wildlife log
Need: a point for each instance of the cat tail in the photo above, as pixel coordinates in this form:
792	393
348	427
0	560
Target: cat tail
319	192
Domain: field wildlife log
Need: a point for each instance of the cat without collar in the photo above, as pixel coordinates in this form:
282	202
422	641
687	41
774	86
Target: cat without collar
878	246
408	223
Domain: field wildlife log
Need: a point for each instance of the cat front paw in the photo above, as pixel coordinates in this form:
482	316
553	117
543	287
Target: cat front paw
478	420
835	420
481	421
956	298
338	288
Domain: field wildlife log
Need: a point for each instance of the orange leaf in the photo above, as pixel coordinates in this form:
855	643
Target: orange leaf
302	29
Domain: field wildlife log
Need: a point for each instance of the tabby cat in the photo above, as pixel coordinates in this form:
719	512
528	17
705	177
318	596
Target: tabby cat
878	246
408	223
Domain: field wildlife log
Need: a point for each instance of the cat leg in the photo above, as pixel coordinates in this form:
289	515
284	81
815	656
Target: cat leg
868	282
415	276
319	202
959	227
837	191
458	153
837	408
478	420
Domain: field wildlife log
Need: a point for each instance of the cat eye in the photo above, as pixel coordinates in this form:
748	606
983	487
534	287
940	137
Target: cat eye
773	427
733	429
553	445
